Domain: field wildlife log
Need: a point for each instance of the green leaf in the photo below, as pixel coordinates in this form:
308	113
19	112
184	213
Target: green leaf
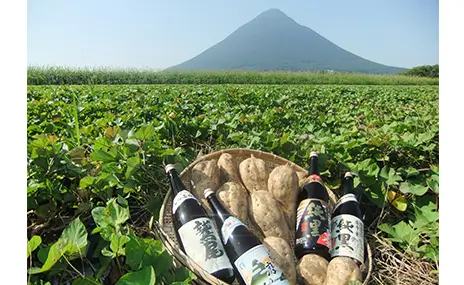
54	254
377	194
147	252
86	181
367	171
32	244
112	215
117	244
432	182
387	228
75	236
132	164
108	253
405	232
408	172
101	216
415	189
426	208
119	214
145	132
102	143
145	276
101	155
390	176
180	275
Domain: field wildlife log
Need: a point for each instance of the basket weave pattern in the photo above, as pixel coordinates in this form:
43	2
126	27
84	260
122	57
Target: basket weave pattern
165	231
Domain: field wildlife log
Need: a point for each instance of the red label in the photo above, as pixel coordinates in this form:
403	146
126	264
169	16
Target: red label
324	239
304	226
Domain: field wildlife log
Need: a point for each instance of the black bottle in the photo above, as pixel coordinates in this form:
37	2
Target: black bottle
199	238
347	228
249	256
313	220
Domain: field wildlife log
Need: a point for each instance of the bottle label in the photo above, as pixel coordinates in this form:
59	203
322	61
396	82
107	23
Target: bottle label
257	268
347	237
344	199
313	226
229	226
202	244
180	198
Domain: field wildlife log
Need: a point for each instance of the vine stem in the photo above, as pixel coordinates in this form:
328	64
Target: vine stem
74	268
119	265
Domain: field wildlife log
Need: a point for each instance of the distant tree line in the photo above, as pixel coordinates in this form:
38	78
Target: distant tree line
423	71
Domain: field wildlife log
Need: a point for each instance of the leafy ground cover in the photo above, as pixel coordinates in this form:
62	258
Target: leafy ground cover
86	76
96	154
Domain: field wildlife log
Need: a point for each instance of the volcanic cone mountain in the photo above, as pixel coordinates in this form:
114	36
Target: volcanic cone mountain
274	41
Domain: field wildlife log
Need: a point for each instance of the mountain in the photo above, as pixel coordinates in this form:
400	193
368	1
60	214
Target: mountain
274	41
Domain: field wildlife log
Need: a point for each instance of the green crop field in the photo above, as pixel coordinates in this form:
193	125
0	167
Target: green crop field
94	76
96	154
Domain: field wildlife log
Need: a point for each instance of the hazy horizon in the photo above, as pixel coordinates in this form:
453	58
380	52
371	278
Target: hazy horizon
157	35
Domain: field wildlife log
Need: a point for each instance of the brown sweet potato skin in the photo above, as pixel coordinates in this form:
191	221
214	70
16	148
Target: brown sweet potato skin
282	255
254	174
341	270
205	174
312	269
235	198
229	168
283	184
267	215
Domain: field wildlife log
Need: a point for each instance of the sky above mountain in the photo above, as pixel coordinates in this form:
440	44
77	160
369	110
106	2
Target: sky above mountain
159	34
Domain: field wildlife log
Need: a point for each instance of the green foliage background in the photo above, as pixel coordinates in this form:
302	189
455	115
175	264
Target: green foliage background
96	153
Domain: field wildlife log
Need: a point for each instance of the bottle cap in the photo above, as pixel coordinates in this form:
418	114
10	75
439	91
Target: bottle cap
168	167
313	153
348	174
208	192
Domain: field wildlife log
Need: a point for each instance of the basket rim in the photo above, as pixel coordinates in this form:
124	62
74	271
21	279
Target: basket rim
258	154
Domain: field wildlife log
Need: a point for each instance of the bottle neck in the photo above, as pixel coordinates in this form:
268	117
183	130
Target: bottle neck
175	181
220	212
313	166
347	186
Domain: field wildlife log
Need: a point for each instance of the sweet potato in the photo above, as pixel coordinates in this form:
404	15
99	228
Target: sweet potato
282	255
267	215
312	269
341	270
283	185
229	168
235	198
254	174
205	175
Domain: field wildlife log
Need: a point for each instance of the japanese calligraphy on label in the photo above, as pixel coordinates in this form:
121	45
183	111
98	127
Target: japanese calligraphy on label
313	223
347	237
229	226
256	268
180	198
202	244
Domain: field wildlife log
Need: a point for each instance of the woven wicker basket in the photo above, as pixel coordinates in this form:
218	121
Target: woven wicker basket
164	229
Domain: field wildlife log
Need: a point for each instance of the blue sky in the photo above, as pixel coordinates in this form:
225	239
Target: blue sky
159	34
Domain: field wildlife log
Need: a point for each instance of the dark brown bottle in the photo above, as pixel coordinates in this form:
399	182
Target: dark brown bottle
199	237
347	228
249	256
312	226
